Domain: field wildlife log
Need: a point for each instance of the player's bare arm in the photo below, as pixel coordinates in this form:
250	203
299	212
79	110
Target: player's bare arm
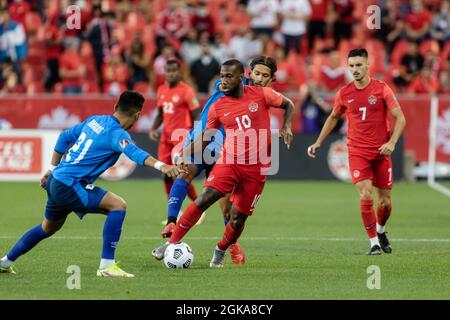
56	159
329	125
171	171
286	130
400	122
153	134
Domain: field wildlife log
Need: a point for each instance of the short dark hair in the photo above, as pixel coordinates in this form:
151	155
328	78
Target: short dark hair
130	102
234	62
359	52
174	61
269	62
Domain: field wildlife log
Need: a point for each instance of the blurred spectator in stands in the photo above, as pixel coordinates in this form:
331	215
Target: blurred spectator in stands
314	109
410	66
333	75
317	25
167	53
294	15
205	69
245	45
425	82
440	27
264	15
138	61
71	68
53	49
99	35
219	49
202	20
392	26
190	47
18	10
115	74
285	76
172	23
432	60
9	78
444	79
343	20
13	42
418	22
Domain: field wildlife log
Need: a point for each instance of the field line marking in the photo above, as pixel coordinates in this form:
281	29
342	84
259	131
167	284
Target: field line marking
245	238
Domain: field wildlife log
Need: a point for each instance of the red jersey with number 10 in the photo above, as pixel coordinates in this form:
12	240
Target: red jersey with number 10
246	121
367	115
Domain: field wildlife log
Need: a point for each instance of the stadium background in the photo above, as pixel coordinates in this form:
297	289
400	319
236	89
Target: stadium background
124	44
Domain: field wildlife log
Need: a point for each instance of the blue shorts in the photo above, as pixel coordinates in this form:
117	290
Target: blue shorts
81	198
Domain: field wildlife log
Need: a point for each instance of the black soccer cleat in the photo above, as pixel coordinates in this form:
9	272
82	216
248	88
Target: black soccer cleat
374	251
384	243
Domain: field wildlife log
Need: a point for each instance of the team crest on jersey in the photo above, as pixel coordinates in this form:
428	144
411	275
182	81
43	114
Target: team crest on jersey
253	107
175	99
356	173
123	143
372	100
210	178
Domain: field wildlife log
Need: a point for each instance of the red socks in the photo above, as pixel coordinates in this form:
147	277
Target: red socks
383	214
192	194
368	217
230	236
185	223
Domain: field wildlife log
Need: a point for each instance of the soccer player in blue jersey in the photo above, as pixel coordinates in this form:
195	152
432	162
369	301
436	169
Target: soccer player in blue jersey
97	144
262	73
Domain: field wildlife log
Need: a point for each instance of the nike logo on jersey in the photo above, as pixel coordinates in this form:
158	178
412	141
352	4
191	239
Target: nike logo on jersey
350	101
226	114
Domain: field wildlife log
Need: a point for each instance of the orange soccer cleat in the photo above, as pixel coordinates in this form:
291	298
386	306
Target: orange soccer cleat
167	232
237	254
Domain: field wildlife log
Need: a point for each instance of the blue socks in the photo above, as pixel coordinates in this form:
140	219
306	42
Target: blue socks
31	238
111	233
176	197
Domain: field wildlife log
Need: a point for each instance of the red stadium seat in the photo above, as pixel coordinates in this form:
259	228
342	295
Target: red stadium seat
398	52
90	87
142	87
428	45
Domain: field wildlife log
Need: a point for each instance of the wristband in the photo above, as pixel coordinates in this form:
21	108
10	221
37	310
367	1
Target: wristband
158	165
51	167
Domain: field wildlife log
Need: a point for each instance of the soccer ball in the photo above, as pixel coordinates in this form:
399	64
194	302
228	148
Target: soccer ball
178	256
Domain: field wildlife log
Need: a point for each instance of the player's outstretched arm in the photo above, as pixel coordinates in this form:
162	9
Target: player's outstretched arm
286	130
153	134
400	122
56	159
169	170
329	125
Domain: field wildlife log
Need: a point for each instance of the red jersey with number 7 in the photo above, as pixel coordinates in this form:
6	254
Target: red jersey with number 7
366	111
246	121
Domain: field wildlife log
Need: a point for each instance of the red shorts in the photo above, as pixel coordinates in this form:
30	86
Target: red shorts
244	182
378	169
166	150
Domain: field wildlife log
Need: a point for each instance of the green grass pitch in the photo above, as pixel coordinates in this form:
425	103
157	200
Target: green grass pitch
305	241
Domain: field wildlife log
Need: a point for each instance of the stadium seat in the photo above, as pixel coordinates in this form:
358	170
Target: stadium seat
90	87
399	50
428	45
142	87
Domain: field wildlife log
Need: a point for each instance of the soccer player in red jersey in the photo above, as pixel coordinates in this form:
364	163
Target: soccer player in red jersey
244	113
366	103
178	107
